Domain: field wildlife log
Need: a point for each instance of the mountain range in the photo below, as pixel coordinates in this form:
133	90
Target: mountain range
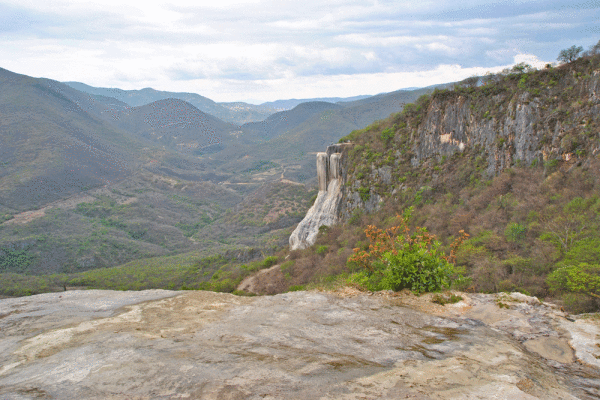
93	177
97	193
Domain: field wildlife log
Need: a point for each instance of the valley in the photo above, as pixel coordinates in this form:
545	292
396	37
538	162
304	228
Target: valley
89	181
194	202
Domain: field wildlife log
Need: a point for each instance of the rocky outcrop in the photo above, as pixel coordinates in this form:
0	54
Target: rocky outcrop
299	345
542	125
326	209
522	128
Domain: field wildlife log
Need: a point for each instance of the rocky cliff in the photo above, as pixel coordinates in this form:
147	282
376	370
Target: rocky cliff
325	210
539	119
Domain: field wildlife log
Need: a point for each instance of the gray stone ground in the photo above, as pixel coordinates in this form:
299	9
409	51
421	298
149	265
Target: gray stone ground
302	345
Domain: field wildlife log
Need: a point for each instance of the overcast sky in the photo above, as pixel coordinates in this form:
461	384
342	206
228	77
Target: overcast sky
262	50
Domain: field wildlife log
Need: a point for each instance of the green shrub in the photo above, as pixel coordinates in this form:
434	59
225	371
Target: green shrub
387	134
397	259
515	232
269	261
322	249
417	266
583	251
365	193
583	279
551	166
14	260
355	218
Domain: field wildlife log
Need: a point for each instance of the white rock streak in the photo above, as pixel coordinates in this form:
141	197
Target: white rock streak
326	207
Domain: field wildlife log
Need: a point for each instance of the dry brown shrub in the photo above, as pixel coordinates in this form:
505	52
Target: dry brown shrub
438	219
350	235
460	220
543	255
304	268
496	243
500	186
535	285
494	219
487	273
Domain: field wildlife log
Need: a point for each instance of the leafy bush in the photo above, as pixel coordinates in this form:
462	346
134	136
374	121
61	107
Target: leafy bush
514	232
398	259
586	250
322	249
583	278
15	260
365	193
269	261
418	266
387	134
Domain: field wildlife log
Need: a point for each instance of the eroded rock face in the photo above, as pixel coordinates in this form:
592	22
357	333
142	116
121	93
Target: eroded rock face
309	345
326	209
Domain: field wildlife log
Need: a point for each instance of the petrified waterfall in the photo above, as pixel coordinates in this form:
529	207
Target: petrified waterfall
326	208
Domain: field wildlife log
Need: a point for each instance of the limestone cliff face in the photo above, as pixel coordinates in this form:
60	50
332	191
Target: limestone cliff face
325	210
523	128
519	127
554	122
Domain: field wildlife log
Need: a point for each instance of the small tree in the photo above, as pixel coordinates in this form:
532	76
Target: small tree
593	51
570	54
521	68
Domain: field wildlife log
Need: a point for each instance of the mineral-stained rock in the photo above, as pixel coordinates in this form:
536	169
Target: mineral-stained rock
309	345
325	211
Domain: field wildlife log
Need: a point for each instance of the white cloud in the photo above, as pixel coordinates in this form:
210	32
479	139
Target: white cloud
267	49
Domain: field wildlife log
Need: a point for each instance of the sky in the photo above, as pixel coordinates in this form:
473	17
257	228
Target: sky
263	50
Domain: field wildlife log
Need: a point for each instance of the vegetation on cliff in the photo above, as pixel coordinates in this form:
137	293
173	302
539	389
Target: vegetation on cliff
532	219
510	159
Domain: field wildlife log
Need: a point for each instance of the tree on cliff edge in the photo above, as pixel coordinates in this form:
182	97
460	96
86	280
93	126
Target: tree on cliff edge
570	54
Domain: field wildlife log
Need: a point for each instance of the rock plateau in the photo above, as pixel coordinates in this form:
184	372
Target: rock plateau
301	345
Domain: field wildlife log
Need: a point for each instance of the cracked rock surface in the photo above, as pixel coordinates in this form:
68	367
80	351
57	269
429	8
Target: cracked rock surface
302	345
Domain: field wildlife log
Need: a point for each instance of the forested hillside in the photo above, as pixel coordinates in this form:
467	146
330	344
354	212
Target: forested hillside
88	182
511	159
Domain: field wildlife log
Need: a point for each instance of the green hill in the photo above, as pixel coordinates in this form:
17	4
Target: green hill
235	113
88	182
512	162
52	147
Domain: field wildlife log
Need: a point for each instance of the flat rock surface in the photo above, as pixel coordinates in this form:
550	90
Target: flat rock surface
301	345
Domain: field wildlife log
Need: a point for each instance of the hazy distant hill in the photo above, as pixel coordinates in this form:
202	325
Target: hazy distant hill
291	103
235	113
295	135
175	124
284	121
